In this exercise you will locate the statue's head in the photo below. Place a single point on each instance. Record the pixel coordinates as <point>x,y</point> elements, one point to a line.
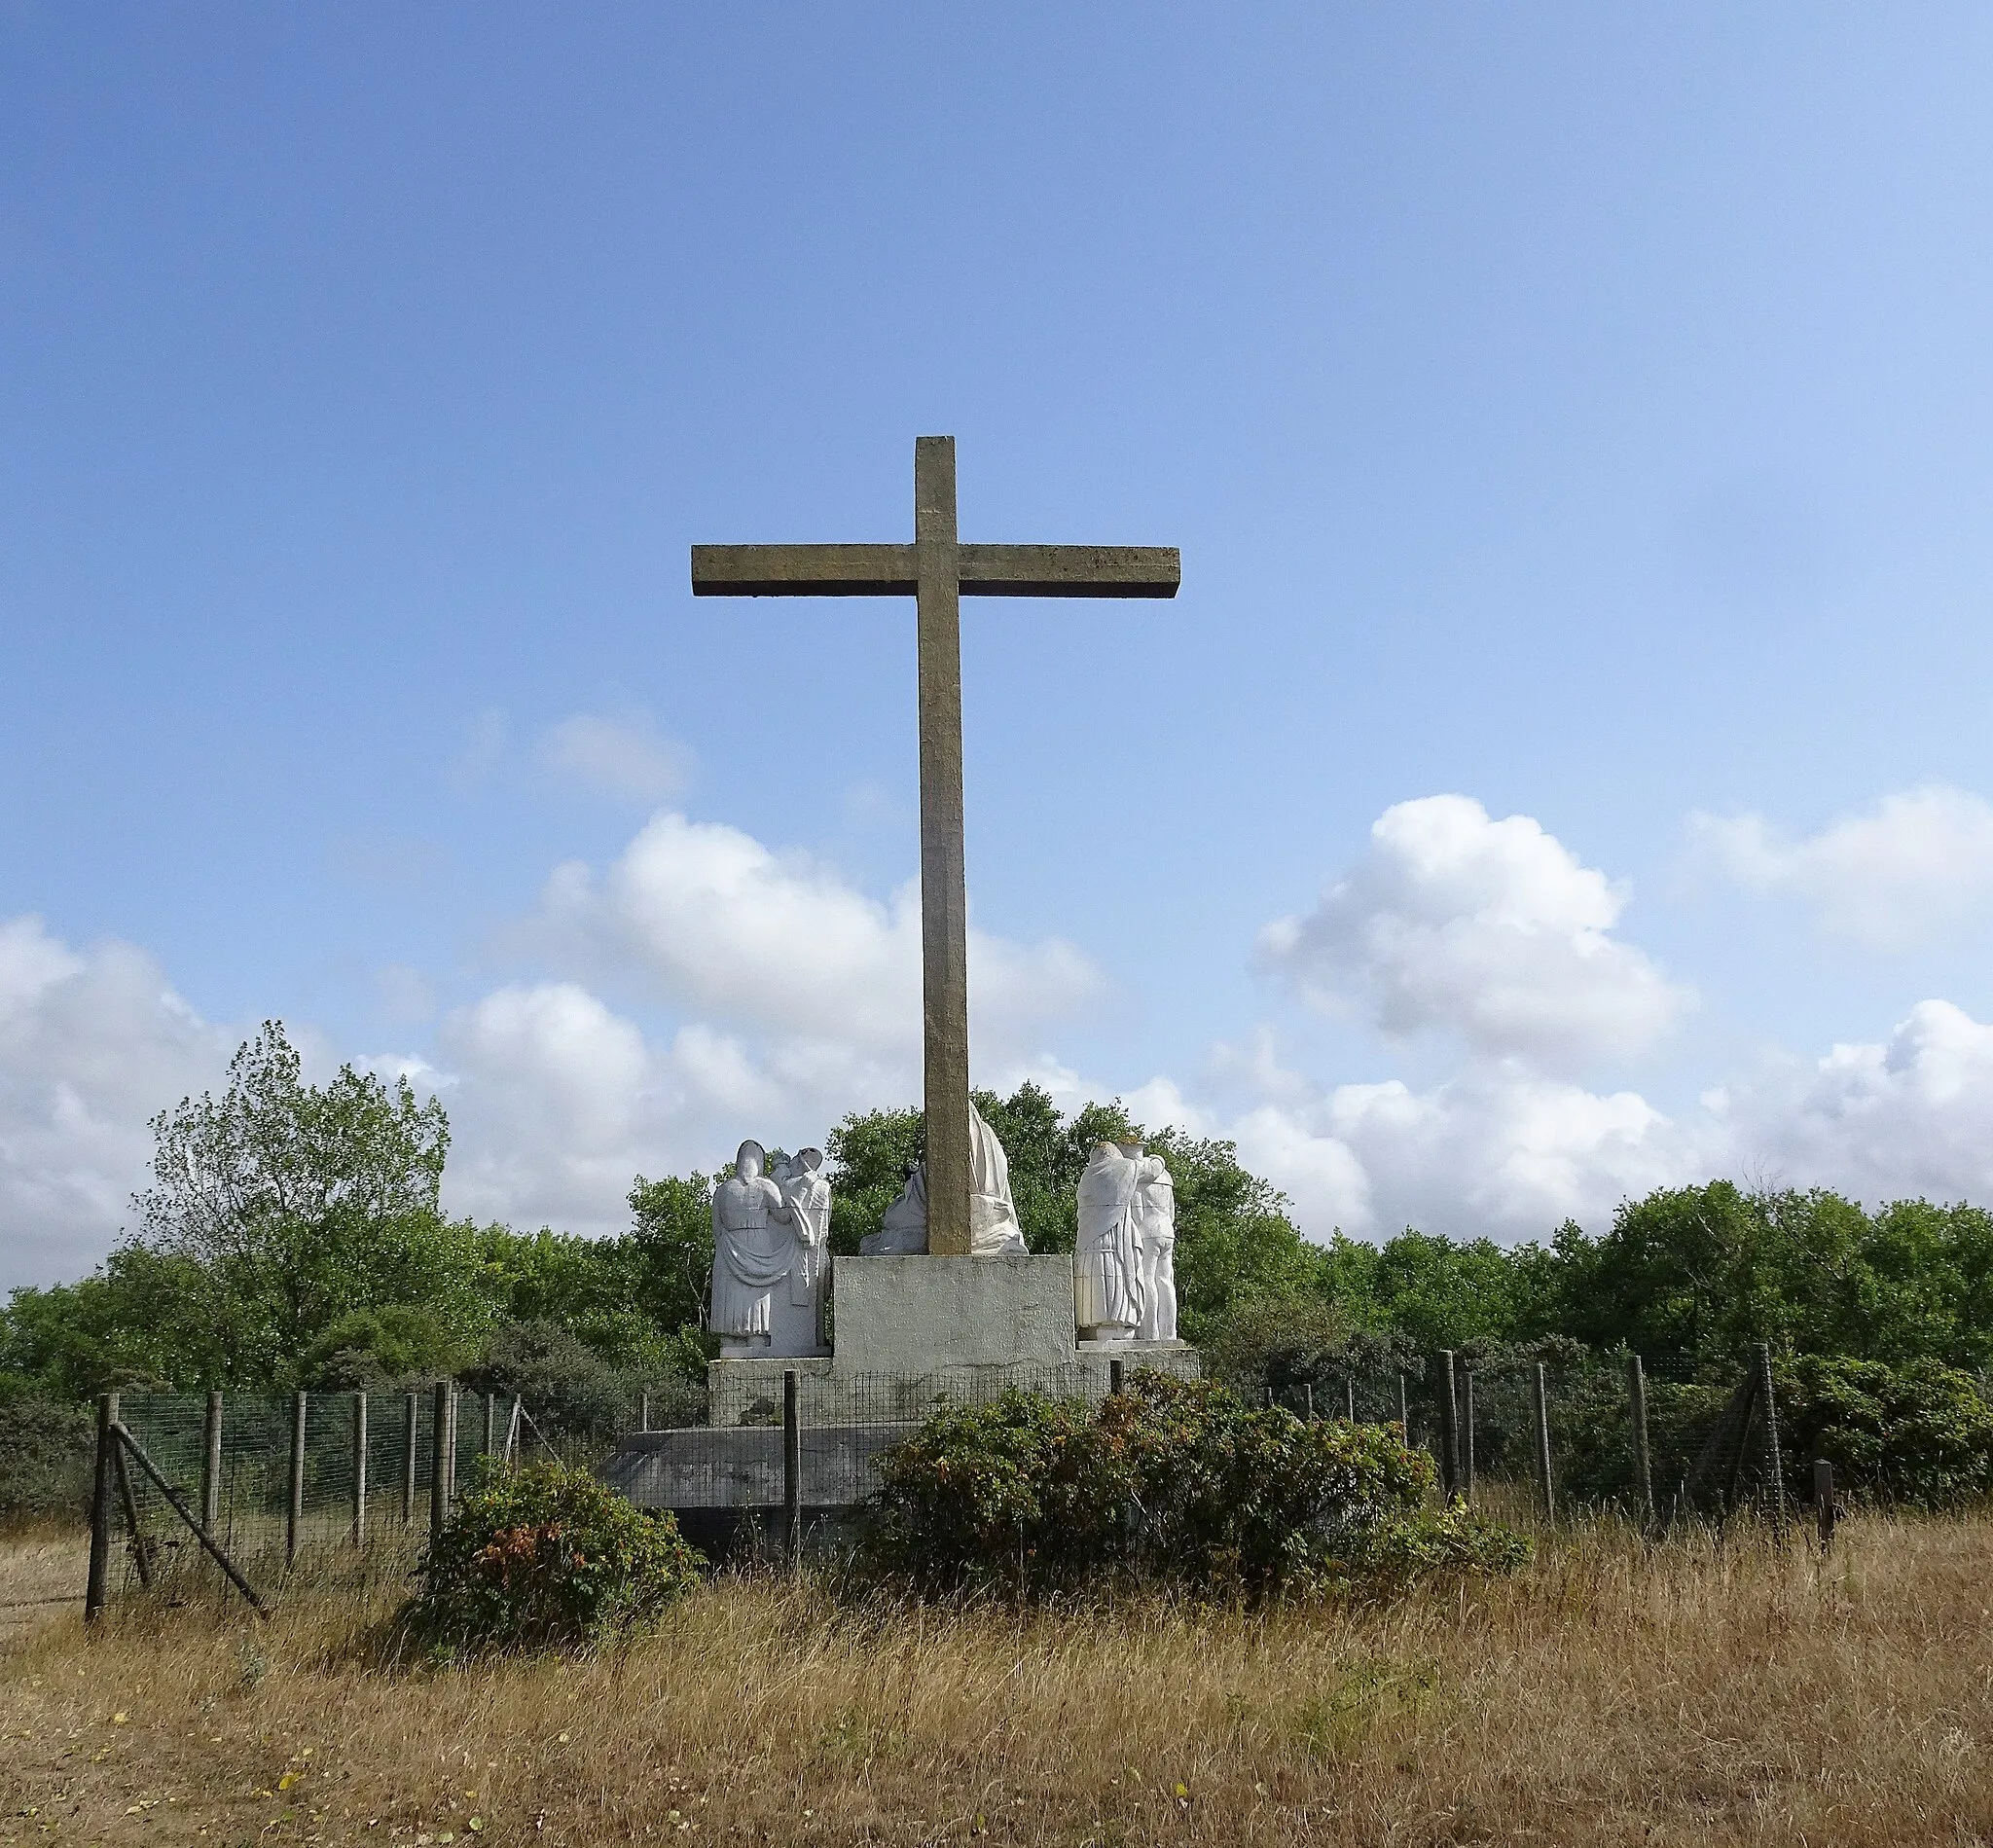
<point>809,1160</point>
<point>751,1160</point>
<point>1130,1146</point>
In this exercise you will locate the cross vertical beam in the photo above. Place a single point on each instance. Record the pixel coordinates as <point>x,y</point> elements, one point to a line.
<point>944,881</point>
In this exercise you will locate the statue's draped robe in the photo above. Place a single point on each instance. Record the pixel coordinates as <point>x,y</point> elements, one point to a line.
<point>753,1250</point>
<point>1155,1226</point>
<point>1108,1272</point>
<point>993,1230</point>
<point>809,1196</point>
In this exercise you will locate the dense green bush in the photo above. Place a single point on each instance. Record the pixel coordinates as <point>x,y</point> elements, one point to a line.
<point>1919,1434</point>
<point>1173,1483</point>
<point>547,1556</point>
<point>46,1452</point>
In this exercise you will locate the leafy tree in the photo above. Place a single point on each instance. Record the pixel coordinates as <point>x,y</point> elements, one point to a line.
<point>292,1205</point>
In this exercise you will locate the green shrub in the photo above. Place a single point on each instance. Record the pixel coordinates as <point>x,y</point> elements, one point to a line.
<point>547,1556</point>
<point>1173,1483</point>
<point>46,1457</point>
<point>1919,1434</point>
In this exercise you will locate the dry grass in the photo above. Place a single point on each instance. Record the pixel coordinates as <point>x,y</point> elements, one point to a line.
<point>1694,1694</point>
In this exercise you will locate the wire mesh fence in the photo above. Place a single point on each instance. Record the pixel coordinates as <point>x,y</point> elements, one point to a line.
<point>276,1482</point>
<point>1536,1438</point>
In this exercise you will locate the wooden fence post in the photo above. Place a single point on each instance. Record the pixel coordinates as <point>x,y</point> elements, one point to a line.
<point>490,1442</point>
<point>438,1465</point>
<point>452,1404</point>
<point>97,1585</point>
<point>643,1411</point>
<point>212,1466</point>
<point>410,1413</point>
<point>1449,1422</point>
<point>1467,1433</point>
<point>359,1469</point>
<point>1642,1461</point>
<point>1543,1443</point>
<point>1772,1438</point>
<point>1404,1409</point>
<point>792,1468</point>
<point>293,1513</point>
<point>1822,1500</point>
<point>1350,1396</point>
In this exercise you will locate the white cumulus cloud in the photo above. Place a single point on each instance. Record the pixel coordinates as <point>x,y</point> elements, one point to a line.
<point>1489,929</point>
<point>94,1044</point>
<point>736,931</point>
<point>1918,862</point>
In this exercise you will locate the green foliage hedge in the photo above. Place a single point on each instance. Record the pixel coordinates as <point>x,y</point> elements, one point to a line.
<point>46,1457</point>
<point>544,1557</point>
<point>1173,1483</point>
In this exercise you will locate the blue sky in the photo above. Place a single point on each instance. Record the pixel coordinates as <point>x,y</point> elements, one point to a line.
<point>1576,414</point>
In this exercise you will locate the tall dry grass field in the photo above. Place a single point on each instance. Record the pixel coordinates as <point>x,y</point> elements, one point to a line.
<point>1695,1693</point>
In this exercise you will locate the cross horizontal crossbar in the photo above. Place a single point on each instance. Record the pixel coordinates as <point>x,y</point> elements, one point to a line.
<point>891,570</point>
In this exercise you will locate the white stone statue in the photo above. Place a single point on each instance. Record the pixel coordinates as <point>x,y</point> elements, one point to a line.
<point>1109,1300</point>
<point>993,1230</point>
<point>766,1291</point>
<point>803,1186</point>
<point>1155,1226</point>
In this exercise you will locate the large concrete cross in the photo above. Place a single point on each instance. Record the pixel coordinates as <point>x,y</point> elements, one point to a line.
<point>938,571</point>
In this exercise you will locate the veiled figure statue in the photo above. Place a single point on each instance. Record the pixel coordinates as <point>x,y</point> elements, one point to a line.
<point>1155,1226</point>
<point>993,1230</point>
<point>1109,1297</point>
<point>765,1294</point>
<point>808,1194</point>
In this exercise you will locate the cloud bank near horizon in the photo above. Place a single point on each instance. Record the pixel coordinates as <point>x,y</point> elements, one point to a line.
<point>791,996</point>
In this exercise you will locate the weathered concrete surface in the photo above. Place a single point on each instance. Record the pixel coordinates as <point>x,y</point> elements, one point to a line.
<point>919,1314</point>
<point>743,1467</point>
<point>751,1392</point>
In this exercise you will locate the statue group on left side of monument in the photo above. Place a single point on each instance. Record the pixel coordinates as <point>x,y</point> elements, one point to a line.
<point>771,1232</point>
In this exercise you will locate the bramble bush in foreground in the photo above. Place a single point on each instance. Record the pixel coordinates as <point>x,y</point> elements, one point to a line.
<point>547,1556</point>
<point>1173,1483</point>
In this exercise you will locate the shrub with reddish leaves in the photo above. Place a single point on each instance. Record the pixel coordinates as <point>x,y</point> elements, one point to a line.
<point>547,1556</point>
<point>1172,1483</point>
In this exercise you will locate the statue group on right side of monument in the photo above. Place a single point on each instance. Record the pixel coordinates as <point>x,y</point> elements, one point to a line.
<point>1125,1264</point>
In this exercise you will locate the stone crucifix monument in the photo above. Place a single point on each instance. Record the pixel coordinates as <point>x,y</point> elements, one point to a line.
<point>959,1290</point>
<point>938,570</point>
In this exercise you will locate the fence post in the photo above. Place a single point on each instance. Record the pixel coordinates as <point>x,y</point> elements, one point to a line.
<point>408,1458</point>
<point>439,1449</point>
<point>792,1468</point>
<point>1404,1409</point>
<point>212,1466</point>
<point>1350,1396</point>
<point>1772,1436</point>
<point>1308,1400</point>
<point>451,1405</point>
<point>1449,1422</point>
<point>643,1411</point>
<point>1466,1432</point>
<point>491,1424</point>
<point>294,1512</point>
<point>1543,1442</point>
<point>1642,1461</point>
<point>1822,1500</point>
<point>512,1431</point>
<point>97,1584</point>
<point>359,1469</point>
